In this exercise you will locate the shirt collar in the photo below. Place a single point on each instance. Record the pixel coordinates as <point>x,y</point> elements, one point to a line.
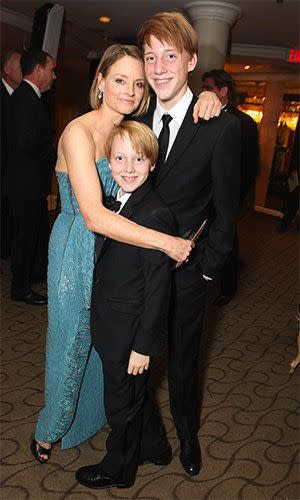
<point>35,88</point>
<point>179,110</point>
<point>123,197</point>
<point>8,87</point>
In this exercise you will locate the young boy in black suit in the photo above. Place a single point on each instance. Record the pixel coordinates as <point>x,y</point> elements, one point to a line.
<point>129,314</point>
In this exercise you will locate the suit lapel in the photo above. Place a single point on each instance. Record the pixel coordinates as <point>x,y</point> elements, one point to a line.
<point>127,211</point>
<point>185,135</point>
<point>135,198</point>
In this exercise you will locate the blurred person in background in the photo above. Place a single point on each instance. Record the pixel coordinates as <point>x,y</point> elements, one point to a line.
<point>11,77</point>
<point>220,82</point>
<point>290,205</point>
<point>31,159</point>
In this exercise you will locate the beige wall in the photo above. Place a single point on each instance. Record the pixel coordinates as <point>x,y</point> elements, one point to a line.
<point>71,93</point>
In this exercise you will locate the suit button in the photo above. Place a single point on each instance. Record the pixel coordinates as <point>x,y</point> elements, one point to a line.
<point>97,280</point>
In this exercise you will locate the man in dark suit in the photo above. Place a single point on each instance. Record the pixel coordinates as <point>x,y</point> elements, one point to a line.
<point>11,78</point>
<point>129,314</point>
<point>220,82</point>
<point>31,159</point>
<point>197,174</point>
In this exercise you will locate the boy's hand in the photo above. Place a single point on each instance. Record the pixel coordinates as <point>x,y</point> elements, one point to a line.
<point>207,106</point>
<point>137,363</point>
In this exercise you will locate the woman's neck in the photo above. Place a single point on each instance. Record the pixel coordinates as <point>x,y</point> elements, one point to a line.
<point>106,119</point>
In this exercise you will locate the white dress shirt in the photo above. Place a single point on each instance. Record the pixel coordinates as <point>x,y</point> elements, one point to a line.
<point>122,197</point>
<point>8,87</point>
<point>178,113</point>
<point>35,88</point>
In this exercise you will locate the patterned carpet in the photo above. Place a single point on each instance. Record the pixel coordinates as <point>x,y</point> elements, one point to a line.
<point>250,413</point>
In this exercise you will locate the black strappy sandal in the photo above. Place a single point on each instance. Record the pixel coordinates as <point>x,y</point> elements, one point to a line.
<point>37,450</point>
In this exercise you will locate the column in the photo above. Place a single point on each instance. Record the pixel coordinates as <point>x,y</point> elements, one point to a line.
<point>212,21</point>
<point>267,138</point>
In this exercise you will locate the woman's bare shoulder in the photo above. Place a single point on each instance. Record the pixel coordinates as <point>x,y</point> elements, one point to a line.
<point>79,129</point>
<point>80,123</point>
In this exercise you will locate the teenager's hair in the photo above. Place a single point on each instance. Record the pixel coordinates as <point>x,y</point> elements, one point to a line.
<point>221,79</point>
<point>31,58</point>
<point>142,139</point>
<point>170,27</point>
<point>113,54</point>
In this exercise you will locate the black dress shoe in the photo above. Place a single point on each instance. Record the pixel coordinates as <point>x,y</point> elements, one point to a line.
<point>222,300</point>
<point>190,456</point>
<point>163,459</point>
<point>93,476</point>
<point>32,298</point>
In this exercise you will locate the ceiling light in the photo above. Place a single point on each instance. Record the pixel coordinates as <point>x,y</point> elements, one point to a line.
<point>247,67</point>
<point>104,19</point>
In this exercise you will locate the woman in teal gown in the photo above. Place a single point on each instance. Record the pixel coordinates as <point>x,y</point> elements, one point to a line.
<point>73,389</point>
<point>74,408</point>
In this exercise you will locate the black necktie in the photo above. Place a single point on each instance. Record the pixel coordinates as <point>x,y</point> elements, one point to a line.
<point>163,141</point>
<point>112,204</point>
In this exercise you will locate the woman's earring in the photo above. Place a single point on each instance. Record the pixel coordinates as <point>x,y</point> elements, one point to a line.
<point>100,94</point>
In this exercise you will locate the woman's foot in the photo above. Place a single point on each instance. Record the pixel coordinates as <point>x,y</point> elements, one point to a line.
<point>41,451</point>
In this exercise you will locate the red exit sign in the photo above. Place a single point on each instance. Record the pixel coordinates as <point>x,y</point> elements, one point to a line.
<point>294,55</point>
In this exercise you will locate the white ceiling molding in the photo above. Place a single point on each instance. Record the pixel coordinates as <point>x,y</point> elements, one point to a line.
<point>15,19</point>
<point>269,52</point>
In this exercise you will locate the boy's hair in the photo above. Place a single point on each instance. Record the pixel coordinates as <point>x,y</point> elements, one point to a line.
<point>170,27</point>
<point>142,139</point>
<point>113,54</point>
<point>221,79</point>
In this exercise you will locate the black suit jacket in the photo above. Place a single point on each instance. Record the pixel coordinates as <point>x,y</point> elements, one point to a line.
<point>200,179</point>
<point>132,285</point>
<point>249,149</point>
<point>5,114</point>
<point>31,155</point>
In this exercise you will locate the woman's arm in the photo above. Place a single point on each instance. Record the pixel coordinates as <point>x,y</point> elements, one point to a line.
<point>78,149</point>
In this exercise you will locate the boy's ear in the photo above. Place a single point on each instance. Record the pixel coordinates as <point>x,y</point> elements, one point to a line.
<point>152,167</point>
<point>224,91</point>
<point>192,62</point>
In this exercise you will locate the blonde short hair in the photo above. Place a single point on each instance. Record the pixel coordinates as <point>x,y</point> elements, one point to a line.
<point>142,139</point>
<point>113,54</point>
<point>170,27</point>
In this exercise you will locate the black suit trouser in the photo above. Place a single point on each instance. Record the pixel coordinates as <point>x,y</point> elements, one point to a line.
<point>136,428</point>
<point>186,318</point>
<point>6,228</point>
<point>26,215</point>
<point>229,272</point>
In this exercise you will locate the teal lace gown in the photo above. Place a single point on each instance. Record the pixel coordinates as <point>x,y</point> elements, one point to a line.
<point>74,408</point>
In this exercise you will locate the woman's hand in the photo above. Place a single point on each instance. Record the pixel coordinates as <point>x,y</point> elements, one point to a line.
<point>137,363</point>
<point>179,249</point>
<point>207,106</point>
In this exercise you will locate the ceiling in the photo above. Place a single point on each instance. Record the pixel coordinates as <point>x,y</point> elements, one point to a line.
<point>262,22</point>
